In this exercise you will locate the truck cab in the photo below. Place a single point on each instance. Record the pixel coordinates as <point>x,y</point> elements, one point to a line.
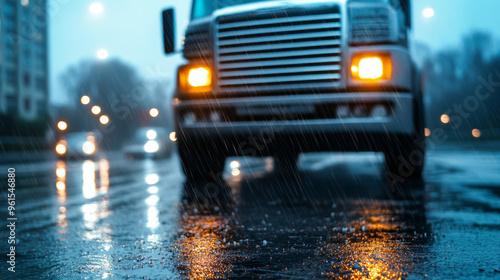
<point>280,78</point>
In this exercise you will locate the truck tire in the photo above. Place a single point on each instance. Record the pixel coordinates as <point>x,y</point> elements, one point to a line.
<point>201,161</point>
<point>406,157</point>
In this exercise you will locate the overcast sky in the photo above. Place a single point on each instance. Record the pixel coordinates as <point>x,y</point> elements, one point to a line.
<point>130,30</point>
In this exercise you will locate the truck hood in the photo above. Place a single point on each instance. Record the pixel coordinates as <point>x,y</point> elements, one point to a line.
<point>267,6</point>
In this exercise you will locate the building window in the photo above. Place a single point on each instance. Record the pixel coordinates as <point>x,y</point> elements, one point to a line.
<point>40,63</point>
<point>11,76</point>
<point>11,102</point>
<point>27,104</point>
<point>27,79</point>
<point>41,83</point>
<point>8,53</point>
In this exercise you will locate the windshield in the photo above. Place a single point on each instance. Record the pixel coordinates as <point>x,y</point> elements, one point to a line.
<point>203,8</point>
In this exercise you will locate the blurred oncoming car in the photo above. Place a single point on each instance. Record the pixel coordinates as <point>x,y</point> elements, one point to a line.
<point>149,142</point>
<point>77,145</point>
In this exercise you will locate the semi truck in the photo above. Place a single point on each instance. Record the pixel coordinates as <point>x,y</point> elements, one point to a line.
<point>280,78</point>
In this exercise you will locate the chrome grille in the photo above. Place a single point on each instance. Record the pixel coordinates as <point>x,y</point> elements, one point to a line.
<point>287,51</point>
<point>370,25</point>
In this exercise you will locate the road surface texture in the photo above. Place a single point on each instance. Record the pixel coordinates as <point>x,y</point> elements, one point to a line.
<point>335,217</point>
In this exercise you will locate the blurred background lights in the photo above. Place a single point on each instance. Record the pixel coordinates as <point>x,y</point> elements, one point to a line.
<point>62,125</point>
<point>154,112</point>
<point>427,132</point>
<point>445,118</point>
<point>476,133</point>
<point>96,8</point>
<point>104,119</point>
<point>96,110</point>
<point>428,12</point>
<point>152,179</point>
<point>102,54</point>
<point>85,100</point>
<point>172,136</point>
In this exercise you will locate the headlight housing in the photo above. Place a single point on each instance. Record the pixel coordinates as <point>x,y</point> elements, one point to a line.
<point>195,78</point>
<point>371,67</point>
<point>372,23</point>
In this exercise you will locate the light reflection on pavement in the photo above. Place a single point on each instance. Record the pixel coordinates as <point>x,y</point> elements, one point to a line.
<point>336,218</point>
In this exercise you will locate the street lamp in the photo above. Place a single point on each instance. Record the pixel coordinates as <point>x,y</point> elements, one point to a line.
<point>96,8</point>
<point>476,133</point>
<point>85,100</point>
<point>154,112</point>
<point>102,54</point>
<point>104,119</point>
<point>96,110</point>
<point>445,118</point>
<point>62,125</point>
<point>428,12</point>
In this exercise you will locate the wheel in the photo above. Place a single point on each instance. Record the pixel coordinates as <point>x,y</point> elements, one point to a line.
<point>201,161</point>
<point>406,157</point>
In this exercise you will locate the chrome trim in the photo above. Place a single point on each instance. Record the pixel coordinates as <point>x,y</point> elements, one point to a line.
<point>399,122</point>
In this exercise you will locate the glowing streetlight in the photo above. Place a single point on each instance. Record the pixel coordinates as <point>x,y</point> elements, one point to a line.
<point>476,133</point>
<point>428,12</point>
<point>102,54</point>
<point>154,112</point>
<point>96,110</point>
<point>62,125</point>
<point>445,118</point>
<point>85,100</point>
<point>104,119</point>
<point>172,136</point>
<point>427,132</point>
<point>96,8</point>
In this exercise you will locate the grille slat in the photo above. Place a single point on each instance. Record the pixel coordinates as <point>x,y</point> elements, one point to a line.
<point>261,32</point>
<point>274,80</point>
<point>280,63</point>
<point>272,52</point>
<point>277,21</point>
<point>281,46</point>
<point>264,72</point>
<point>304,36</point>
<point>255,56</point>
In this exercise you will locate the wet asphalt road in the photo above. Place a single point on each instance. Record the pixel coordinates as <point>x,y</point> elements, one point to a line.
<point>336,217</point>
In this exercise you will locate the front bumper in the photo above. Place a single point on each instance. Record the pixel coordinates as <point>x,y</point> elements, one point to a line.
<point>237,115</point>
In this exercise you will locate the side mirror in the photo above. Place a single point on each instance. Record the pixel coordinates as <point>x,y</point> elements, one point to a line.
<point>168,22</point>
<point>406,6</point>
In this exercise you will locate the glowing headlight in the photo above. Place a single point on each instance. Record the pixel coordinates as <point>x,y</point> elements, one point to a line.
<point>371,67</point>
<point>195,78</point>
<point>151,134</point>
<point>88,148</point>
<point>151,147</point>
<point>61,148</point>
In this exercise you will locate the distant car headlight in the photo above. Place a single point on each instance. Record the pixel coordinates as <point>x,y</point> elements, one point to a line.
<point>61,148</point>
<point>372,23</point>
<point>88,148</point>
<point>371,67</point>
<point>151,147</point>
<point>195,78</point>
<point>151,134</point>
